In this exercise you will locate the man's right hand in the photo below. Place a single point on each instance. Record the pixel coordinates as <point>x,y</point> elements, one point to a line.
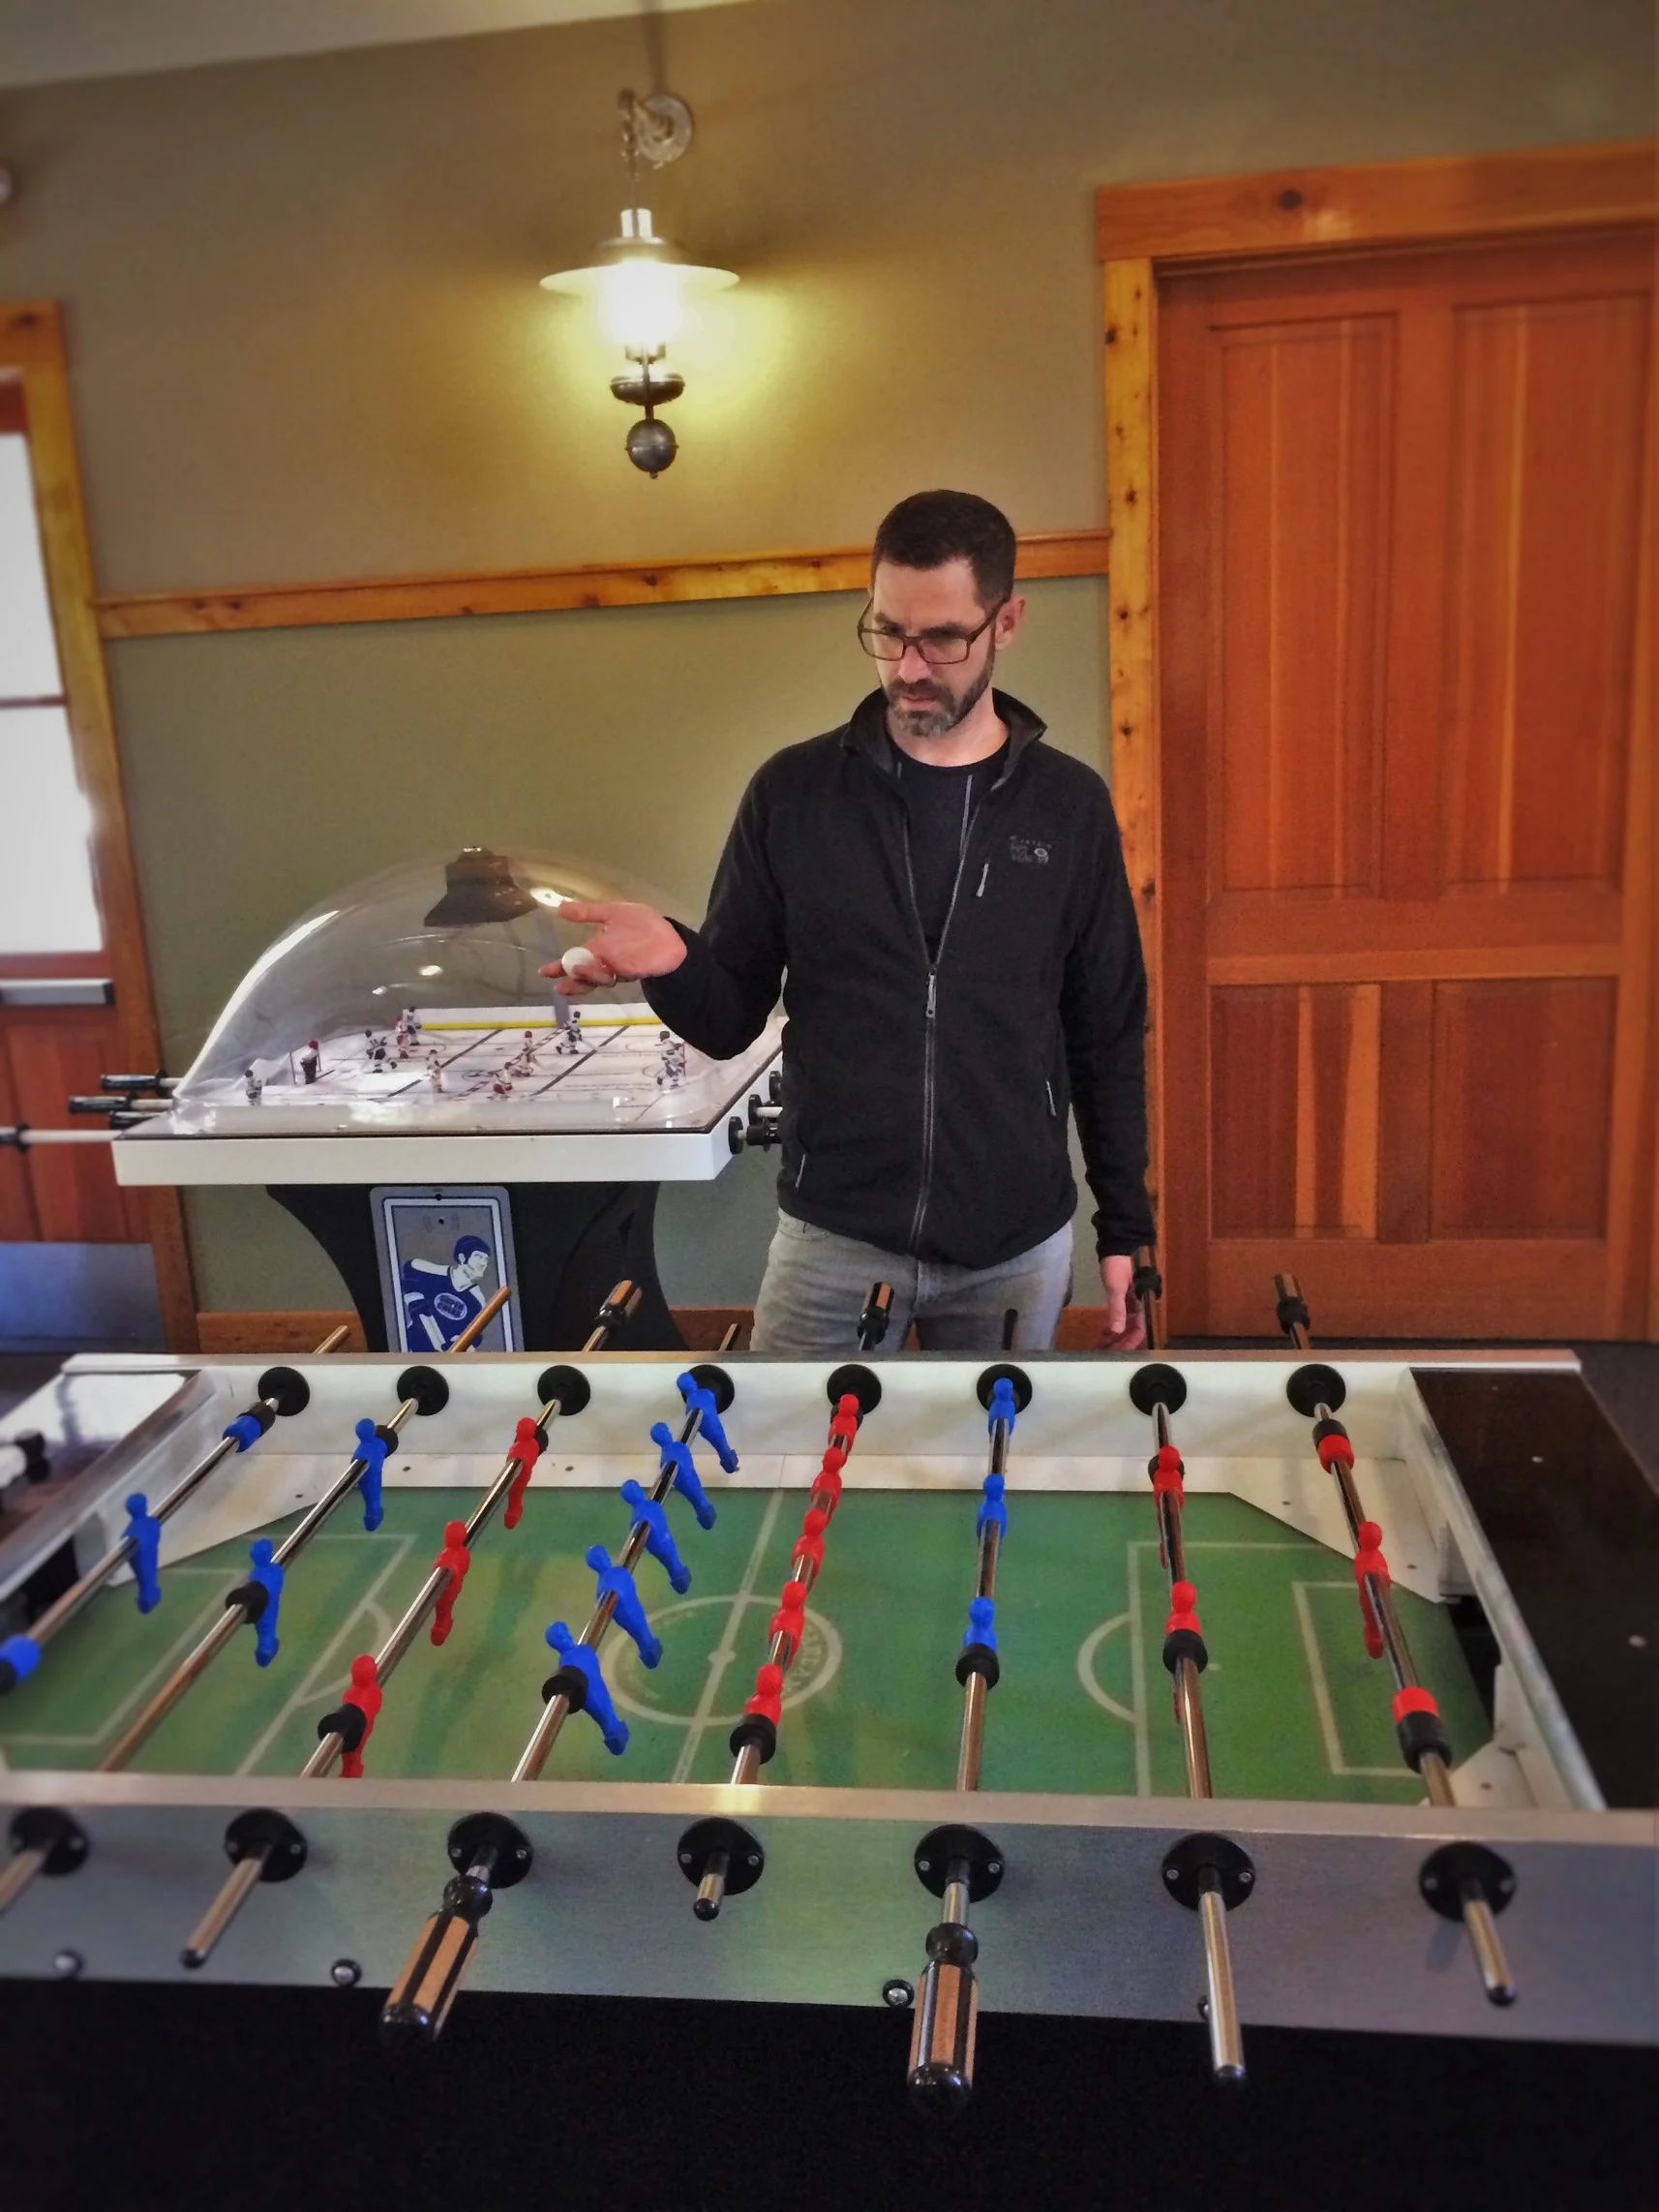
<point>628,941</point>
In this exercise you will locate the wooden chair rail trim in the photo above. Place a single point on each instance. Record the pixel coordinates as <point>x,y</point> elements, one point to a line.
<point>1189,218</point>
<point>1462,963</point>
<point>546,590</point>
<point>702,1326</point>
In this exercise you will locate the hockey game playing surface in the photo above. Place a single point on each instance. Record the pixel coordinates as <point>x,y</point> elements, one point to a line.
<point>1293,1706</point>
<point>614,1066</point>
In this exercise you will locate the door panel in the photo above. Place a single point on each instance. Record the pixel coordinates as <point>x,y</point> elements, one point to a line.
<point>1523,1073</point>
<point>1407,1016</point>
<point>1302,422</point>
<point>1547,406</point>
<point>54,1054</point>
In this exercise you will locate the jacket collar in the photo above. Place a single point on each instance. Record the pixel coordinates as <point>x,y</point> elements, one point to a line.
<point>866,732</point>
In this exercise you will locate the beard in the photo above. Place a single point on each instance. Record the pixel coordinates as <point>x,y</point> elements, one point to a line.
<point>932,710</point>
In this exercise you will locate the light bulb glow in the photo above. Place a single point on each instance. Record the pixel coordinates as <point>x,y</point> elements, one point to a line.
<point>639,305</point>
<point>639,288</point>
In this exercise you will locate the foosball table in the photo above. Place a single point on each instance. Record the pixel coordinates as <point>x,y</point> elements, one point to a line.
<point>1250,1687</point>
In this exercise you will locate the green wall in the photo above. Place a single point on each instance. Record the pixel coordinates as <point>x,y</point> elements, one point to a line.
<point>307,342</point>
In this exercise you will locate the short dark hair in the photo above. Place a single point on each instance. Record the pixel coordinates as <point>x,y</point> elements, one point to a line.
<point>931,528</point>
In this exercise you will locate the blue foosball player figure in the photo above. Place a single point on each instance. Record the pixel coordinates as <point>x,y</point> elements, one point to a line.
<point>260,1598</point>
<point>580,1681</point>
<point>618,1584</point>
<point>676,1455</point>
<point>144,1534</point>
<point>660,1536</point>
<point>372,1450</point>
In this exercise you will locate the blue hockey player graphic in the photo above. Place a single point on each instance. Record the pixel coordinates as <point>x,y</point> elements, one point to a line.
<point>439,1300</point>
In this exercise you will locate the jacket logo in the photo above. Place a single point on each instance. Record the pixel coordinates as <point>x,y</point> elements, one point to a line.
<point>1031,850</point>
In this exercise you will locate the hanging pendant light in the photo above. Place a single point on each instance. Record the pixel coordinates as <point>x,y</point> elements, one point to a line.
<point>639,283</point>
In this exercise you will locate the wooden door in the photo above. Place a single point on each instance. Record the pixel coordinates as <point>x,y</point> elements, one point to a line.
<point>1405,581</point>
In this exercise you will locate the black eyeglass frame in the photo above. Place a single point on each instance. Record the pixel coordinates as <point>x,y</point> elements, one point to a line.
<point>905,639</point>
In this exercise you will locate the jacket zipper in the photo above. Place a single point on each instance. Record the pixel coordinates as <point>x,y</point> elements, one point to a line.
<point>1053,1110</point>
<point>931,1026</point>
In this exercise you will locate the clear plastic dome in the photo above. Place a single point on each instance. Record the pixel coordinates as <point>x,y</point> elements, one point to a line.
<point>372,994</point>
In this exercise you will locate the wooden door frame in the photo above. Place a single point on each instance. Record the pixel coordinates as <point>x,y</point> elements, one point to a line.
<point>1145,232</point>
<point>32,353</point>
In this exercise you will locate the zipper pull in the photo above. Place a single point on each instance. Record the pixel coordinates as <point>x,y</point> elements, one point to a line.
<point>932,993</point>
<point>983,872</point>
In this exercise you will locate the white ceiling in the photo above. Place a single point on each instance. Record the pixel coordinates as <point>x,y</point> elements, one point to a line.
<point>43,41</point>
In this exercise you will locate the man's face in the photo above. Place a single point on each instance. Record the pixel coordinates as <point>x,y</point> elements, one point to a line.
<point>471,1267</point>
<point>923,700</point>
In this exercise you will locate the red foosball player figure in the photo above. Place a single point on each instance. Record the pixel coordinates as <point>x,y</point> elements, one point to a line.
<point>354,1720</point>
<point>457,1559</point>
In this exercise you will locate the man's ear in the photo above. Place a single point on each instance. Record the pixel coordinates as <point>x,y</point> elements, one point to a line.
<point>1010,620</point>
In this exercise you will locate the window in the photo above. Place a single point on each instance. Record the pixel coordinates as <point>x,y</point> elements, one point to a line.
<point>47,898</point>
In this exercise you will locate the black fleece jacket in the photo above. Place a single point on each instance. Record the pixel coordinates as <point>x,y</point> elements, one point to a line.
<point>925,1103</point>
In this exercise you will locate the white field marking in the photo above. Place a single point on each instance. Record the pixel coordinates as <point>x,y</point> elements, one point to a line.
<point>309,1688</point>
<point>801,1686</point>
<point>164,1665</point>
<point>726,1650</point>
<point>1137,1679</point>
<point>1322,1689</point>
<point>1137,1663</point>
<point>1086,1651</point>
<point>174,1651</point>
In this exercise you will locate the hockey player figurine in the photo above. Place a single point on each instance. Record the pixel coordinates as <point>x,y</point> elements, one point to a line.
<point>672,1073</point>
<point>501,1088</point>
<point>252,1085</point>
<point>310,1062</point>
<point>434,1068</point>
<point>378,1054</point>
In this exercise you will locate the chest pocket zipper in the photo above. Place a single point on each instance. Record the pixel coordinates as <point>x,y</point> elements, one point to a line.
<point>1053,1110</point>
<point>983,872</point>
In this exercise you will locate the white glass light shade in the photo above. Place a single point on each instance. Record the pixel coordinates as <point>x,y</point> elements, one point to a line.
<point>640,285</point>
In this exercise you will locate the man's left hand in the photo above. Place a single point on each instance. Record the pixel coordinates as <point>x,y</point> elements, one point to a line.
<point>1123,1325</point>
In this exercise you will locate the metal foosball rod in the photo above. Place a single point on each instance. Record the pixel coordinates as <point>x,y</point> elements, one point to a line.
<point>957,1864</point>
<point>1463,1882</point>
<point>281,1391</point>
<point>1209,1875</point>
<point>719,1855</point>
<point>489,1853</point>
<point>272,1848</point>
<point>559,1706</point>
<point>1147,1287</point>
<point>246,1604</point>
<point>63,1845</point>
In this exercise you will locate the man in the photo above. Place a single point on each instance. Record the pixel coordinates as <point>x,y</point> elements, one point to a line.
<point>943,900</point>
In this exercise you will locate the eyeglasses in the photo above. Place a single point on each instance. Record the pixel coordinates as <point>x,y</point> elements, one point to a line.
<point>940,649</point>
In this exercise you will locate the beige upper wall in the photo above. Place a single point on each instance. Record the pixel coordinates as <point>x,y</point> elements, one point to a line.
<point>302,301</point>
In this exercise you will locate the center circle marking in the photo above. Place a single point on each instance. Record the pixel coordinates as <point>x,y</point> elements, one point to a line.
<point>816,1664</point>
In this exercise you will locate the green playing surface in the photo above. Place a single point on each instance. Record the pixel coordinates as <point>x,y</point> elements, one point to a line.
<point>1293,1706</point>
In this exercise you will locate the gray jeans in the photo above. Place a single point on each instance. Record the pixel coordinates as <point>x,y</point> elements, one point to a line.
<point>816,1284</point>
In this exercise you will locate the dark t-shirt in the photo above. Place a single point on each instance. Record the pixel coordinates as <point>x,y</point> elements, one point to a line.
<point>941,803</point>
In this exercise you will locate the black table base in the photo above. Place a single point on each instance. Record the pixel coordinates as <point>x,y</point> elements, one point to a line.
<point>572,1242</point>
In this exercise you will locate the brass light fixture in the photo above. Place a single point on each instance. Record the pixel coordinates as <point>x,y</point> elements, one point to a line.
<point>640,281</point>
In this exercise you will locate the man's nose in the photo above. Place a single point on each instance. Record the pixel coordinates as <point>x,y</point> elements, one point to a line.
<point>913,662</point>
